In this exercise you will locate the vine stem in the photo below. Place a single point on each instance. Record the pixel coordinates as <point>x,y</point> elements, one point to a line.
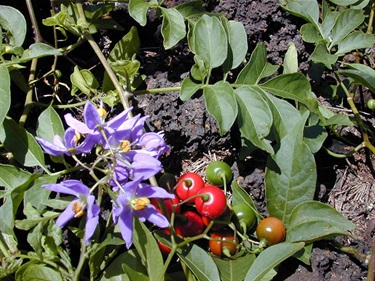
<point>371,18</point>
<point>124,95</point>
<point>34,62</point>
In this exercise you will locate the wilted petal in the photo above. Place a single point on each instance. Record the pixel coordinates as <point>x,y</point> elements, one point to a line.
<point>154,143</point>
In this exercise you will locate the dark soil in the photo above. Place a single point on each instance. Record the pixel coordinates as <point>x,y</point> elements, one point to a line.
<point>195,140</point>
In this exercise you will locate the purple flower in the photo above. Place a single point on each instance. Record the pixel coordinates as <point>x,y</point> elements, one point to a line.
<point>76,208</point>
<point>66,146</point>
<point>135,202</point>
<point>94,125</point>
<point>154,144</point>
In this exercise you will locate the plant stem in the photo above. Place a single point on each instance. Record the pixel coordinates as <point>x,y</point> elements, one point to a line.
<point>29,95</point>
<point>81,261</point>
<point>157,91</point>
<point>124,95</point>
<point>371,18</point>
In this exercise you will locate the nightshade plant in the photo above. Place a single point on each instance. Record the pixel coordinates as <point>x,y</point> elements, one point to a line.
<point>100,173</point>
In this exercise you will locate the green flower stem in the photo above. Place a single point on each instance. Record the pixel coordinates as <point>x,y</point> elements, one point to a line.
<point>349,97</point>
<point>371,18</point>
<point>346,155</point>
<point>156,91</point>
<point>29,95</point>
<point>124,95</point>
<point>81,262</point>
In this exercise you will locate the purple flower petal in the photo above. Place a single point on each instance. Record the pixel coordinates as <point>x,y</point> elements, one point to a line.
<point>92,118</point>
<point>75,124</point>
<point>72,187</point>
<point>151,191</point>
<point>51,148</point>
<point>126,226</point>
<point>92,218</point>
<point>67,215</point>
<point>153,216</point>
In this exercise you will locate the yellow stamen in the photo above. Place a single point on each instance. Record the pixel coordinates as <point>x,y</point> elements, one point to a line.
<point>125,145</point>
<point>77,137</point>
<point>77,209</point>
<point>141,203</point>
<point>102,112</point>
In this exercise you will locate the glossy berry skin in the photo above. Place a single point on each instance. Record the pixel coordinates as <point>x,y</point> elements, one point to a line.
<point>244,217</point>
<point>217,246</point>
<point>168,205</point>
<point>165,250</point>
<point>213,203</point>
<point>189,185</point>
<point>217,171</point>
<point>371,104</point>
<point>189,224</point>
<point>272,230</point>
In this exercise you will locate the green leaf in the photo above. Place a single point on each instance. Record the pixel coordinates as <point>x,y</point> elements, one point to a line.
<point>294,86</point>
<point>84,81</point>
<point>127,47</point>
<point>312,220</point>
<point>192,8</point>
<point>306,9</point>
<point>346,22</point>
<point>360,73</point>
<point>210,41</point>
<point>237,40</point>
<point>36,195</point>
<point>322,55</point>
<point>38,50</point>
<point>221,104</point>
<point>138,10</point>
<point>290,175</point>
<point>234,269</point>
<point>240,196</point>
<point>285,116</point>
<point>148,250</point>
<point>270,258</point>
<point>12,20</point>
<point>254,69</point>
<point>22,144</point>
<point>199,262</point>
<point>40,272</point>
<point>310,33</point>
<point>343,2</point>
<point>34,237</point>
<point>291,59</point>
<point>189,88</point>
<point>126,267</point>
<point>355,40</point>
<point>254,117</point>
<point>173,27</point>
<point>314,137</point>
<point>5,94</point>
<point>49,125</point>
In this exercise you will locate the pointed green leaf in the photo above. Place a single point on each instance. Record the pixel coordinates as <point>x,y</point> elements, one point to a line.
<point>38,50</point>
<point>12,20</point>
<point>290,175</point>
<point>291,59</point>
<point>294,86</point>
<point>84,81</point>
<point>173,27</point>
<point>22,144</point>
<point>355,40</point>
<point>270,258</point>
<point>5,98</point>
<point>237,48</point>
<point>49,124</point>
<point>360,73</point>
<point>191,9</point>
<point>40,273</point>
<point>254,117</point>
<point>189,88</point>
<point>210,41</point>
<point>254,69</point>
<point>148,250</point>
<point>329,19</point>
<point>322,55</point>
<point>343,2</point>
<point>199,262</point>
<point>310,33</point>
<point>306,9</point>
<point>221,104</point>
<point>127,47</point>
<point>126,267</point>
<point>234,269</point>
<point>346,22</point>
<point>312,220</point>
<point>138,10</point>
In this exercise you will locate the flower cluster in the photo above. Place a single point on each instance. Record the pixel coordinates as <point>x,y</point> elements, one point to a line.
<point>129,157</point>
